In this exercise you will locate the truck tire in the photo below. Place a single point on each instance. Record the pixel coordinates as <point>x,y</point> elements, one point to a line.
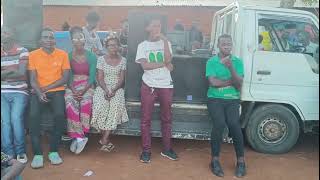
<point>272,129</point>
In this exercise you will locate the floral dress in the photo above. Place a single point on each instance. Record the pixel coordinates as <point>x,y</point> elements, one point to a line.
<point>106,115</point>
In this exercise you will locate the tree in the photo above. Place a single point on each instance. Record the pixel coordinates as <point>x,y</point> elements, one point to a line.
<point>290,3</point>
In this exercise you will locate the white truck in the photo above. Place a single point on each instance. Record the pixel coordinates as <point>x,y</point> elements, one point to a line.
<point>280,93</point>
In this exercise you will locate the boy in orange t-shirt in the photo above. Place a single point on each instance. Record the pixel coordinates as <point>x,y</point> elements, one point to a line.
<point>49,72</point>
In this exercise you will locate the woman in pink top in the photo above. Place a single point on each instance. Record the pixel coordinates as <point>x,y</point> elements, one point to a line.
<point>80,91</point>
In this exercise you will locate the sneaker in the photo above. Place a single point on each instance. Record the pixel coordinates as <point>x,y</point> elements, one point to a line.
<point>240,169</point>
<point>145,157</point>
<point>170,154</point>
<point>22,158</point>
<point>216,168</point>
<point>65,138</point>
<point>81,145</point>
<point>54,158</point>
<point>73,146</point>
<point>37,161</point>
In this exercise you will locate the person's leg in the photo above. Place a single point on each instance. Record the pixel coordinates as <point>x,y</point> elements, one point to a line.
<point>74,127</point>
<point>6,129</point>
<point>34,123</point>
<point>86,110</point>
<point>57,104</point>
<point>216,113</point>
<point>147,106</point>
<point>13,171</point>
<point>165,99</point>
<point>233,122</point>
<point>17,119</point>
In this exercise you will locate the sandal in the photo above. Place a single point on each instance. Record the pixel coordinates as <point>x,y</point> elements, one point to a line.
<point>107,147</point>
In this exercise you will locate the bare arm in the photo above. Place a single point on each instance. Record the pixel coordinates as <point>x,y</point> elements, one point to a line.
<point>15,170</point>
<point>34,82</point>
<point>167,53</point>
<point>149,66</point>
<point>62,81</point>
<point>236,79</point>
<point>120,82</point>
<point>217,83</point>
<point>100,80</point>
<point>15,73</point>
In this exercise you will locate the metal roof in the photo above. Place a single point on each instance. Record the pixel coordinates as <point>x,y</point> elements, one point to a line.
<point>271,3</point>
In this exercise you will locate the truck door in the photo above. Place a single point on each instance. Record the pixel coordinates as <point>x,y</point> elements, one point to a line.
<point>286,61</point>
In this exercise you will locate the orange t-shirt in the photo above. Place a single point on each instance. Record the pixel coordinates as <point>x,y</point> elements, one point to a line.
<point>49,67</point>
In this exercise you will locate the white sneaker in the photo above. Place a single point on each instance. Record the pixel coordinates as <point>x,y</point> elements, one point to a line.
<point>73,146</point>
<point>22,158</point>
<point>81,145</point>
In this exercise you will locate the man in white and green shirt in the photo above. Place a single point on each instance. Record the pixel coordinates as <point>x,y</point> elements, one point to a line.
<point>154,55</point>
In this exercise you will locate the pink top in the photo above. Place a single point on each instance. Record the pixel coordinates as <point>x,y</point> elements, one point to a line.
<point>80,68</point>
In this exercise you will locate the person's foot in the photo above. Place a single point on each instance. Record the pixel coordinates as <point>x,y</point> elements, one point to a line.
<point>22,158</point>
<point>37,161</point>
<point>54,158</point>
<point>240,169</point>
<point>170,154</point>
<point>73,146</point>
<point>80,145</point>
<point>216,168</point>
<point>145,157</point>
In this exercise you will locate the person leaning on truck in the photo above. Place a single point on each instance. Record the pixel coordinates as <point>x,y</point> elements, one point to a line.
<point>49,70</point>
<point>154,55</point>
<point>225,74</point>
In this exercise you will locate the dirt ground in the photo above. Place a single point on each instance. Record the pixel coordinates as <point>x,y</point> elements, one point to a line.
<point>302,163</point>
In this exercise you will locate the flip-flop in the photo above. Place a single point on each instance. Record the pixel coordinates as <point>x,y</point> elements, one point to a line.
<point>107,147</point>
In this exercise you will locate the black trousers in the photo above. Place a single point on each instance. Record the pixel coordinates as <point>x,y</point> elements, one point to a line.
<point>57,110</point>
<point>225,112</point>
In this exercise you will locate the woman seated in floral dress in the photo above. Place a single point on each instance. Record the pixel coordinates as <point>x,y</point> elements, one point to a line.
<point>108,101</point>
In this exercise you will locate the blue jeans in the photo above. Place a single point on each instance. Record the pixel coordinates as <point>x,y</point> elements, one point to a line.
<point>13,106</point>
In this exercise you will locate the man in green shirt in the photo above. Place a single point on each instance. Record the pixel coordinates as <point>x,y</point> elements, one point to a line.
<point>225,76</point>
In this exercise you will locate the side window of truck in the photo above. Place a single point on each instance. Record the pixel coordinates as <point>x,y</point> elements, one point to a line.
<point>288,36</point>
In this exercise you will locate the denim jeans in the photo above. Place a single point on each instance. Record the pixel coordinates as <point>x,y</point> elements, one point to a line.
<point>13,105</point>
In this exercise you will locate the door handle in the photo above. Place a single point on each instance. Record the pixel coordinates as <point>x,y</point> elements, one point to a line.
<point>264,72</point>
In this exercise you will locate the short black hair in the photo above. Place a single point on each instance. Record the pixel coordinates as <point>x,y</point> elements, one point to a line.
<point>226,36</point>
<point>75,29</point>
<point>93,17</point>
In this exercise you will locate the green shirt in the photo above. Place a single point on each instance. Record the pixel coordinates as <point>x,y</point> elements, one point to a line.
<point>216,69</point>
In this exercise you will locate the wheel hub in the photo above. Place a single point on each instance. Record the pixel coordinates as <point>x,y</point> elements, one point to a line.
<point>272,130</point>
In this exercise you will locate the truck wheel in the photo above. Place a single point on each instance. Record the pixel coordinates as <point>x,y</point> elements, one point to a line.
<point>272,129</point>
